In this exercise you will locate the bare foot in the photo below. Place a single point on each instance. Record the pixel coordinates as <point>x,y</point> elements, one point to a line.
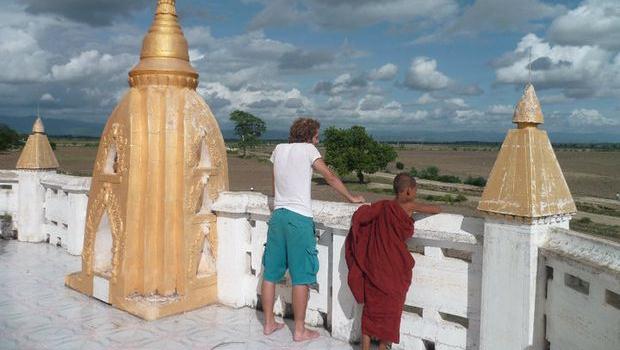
<point>305,335</point>
<point>270,328</point>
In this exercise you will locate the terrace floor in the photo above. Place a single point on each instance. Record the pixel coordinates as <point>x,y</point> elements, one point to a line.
<point>38,312</point>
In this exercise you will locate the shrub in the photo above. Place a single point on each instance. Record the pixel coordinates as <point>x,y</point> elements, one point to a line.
<point>476,181</point>
<point>9,138</point>
<point>449,179</point>
<point>430,173</point>
<point>400,166</point>
<point>413,172</point>
<point>461,198</point>
<point>447,198</point>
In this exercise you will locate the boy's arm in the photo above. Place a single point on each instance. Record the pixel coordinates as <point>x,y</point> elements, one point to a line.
<point>426,208</point>
<point>335,182</point>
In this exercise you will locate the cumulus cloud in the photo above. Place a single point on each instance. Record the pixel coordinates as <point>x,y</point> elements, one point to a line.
<point>426,98</point>
<point>343,84</point>
<point>371,103</point>
<point>593,22</point>
<point>84,75</point>
<point>554,99</point>
<point>423,75</point>
<point>269,103</point>
<point>276,13</point>
<point>21,58</point>
<point>578,71</point>
<point>469,116</point>
<point>469,90</point>
<point>503,15</point>
<point>457,102</point>
<point>92,12</point>
<point>347,14</point>
<point>47,97</point>
<point>381,114</point>
<point>385,72</point>
<point>93,62</point>
<point>500,109</point>
<point>493,16</point>
<point>590,117</point>
<point>302,59</point>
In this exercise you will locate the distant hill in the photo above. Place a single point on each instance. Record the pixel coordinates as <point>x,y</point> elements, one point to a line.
<point>55,127</point>
<point>65,127</point>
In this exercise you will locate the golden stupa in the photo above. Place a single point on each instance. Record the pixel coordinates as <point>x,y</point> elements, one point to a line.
<point>526,180</point>
<point>37,153</point>
<point>150,240</point>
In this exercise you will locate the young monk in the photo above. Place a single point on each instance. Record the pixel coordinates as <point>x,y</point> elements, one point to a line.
<point>291,241</point>
<point>380,264</point>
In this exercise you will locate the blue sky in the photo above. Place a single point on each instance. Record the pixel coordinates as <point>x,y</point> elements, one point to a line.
<point>393,66</point>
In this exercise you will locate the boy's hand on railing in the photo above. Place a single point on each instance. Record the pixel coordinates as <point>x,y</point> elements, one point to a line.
<point>357,199</point>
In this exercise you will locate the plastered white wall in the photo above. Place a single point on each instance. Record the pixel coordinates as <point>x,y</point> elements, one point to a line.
<point>46,206</point>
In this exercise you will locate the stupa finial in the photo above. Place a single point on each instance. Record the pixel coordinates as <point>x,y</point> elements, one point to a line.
<point>37,127</point>
<point>526,181</point>
<point>528,109</point>
<point>37,154</point>
<point>165,52</point>
<point>166,7</point>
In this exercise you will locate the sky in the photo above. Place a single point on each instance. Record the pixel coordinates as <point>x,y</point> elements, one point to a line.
<point>396,67</point>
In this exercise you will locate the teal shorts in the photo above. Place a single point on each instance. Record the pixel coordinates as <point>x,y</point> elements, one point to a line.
<point>291,244</point>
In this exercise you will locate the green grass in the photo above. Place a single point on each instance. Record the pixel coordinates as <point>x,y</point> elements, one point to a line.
<point>586,225</point>
<point>598,209</point>
<point>447,198</point>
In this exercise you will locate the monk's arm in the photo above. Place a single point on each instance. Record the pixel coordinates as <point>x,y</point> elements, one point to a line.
<point>335,182</point>
<point>426,208</point>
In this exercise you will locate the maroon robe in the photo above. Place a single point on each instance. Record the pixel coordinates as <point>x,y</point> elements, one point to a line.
<point>380,266</point>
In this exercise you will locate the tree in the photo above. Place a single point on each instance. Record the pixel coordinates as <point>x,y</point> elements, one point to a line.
<point>248,127</point>
<point>353,150</point>
<point>9,138</point>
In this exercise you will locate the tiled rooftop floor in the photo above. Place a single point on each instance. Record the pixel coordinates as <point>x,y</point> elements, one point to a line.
<point>38,312</point>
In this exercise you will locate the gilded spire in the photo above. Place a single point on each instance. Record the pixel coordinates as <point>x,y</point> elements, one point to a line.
<point>166,7</point>
<point>528,109</point>
<point>37,153</point>
<point>526,180</point>
<point>37,127</point>
<point>164,59</point>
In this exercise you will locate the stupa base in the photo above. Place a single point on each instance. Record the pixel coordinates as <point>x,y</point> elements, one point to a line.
<point>148,307</point>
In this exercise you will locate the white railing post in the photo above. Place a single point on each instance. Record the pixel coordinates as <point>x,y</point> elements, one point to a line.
<point>31,203</point>
<point>345,312</point>
<point>76,221</point>
<point>511,315</point>
<point>234,245</point>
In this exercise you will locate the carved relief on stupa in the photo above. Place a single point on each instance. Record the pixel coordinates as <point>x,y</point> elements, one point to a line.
<point>151,240</point>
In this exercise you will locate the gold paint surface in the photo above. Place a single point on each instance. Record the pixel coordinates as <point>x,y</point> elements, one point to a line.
<point>150,178</point>
<point>526,180</point>
<point>165,52</point>
<point>528,109</point>
<point>37,153</point>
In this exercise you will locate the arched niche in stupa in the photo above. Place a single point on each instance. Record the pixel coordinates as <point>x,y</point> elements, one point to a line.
<point>205,156</point>
<point>206,265</point>
<point>110,166</point>
<point>102,257</point>
<point>205,202</point>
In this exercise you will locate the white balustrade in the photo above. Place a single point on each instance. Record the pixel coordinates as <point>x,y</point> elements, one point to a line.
<point>576,306</point>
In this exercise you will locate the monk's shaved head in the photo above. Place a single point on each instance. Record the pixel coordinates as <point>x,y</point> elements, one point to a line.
<point>402,182</point>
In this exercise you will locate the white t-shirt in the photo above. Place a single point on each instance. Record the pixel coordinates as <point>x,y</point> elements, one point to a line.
<point>292,168</point>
